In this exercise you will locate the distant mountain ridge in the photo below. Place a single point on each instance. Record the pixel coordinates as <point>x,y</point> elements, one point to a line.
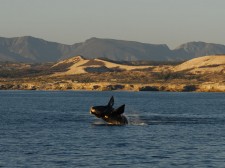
<point>120,50</point>
<point>195,49</point>
<point>31,49</point>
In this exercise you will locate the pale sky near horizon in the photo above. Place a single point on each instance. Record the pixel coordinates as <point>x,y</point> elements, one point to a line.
<point>171,22</point>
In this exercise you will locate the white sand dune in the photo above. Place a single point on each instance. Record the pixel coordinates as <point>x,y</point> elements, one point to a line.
<point>79,65</point>
<point>70,60</point>
<point>205,64</point>
<point>125,67</point>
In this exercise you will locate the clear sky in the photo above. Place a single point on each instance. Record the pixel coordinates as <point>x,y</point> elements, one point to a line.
<point>170,22</point>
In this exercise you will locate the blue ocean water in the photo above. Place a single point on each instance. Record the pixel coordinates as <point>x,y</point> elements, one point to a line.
<point>55,129</point>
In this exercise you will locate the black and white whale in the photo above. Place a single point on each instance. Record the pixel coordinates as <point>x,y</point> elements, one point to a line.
<point>109,114</point>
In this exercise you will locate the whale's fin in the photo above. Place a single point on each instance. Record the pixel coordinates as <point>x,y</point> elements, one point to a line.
<point>111,102</point>
<point>119,110</point>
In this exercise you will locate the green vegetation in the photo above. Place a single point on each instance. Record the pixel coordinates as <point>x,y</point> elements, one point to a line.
<point>21,70</point>
<point>169,75</point>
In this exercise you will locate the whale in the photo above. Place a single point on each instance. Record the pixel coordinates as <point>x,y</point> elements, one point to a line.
<point>109,114</point>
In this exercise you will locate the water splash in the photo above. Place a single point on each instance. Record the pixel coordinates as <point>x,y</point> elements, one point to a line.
<point>135,119</point>
<point>140,120</point>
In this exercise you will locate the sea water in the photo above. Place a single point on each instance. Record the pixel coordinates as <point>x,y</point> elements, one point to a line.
<point>55,129</point>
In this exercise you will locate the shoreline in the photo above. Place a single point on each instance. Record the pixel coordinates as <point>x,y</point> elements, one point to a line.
<point>107,86</point>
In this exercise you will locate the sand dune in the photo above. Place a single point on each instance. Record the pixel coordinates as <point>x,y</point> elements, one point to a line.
<point>206,64</point>
<point>80,65</point>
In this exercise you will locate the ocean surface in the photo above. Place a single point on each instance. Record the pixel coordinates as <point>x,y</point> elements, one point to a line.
<point>55,129</point>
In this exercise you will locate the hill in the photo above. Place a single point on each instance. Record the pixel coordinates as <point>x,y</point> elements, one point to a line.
<point>203,65</point>
<point>79,65</point>
<point>200,74</point>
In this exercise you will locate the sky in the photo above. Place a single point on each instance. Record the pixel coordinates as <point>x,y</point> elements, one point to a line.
<point>171,22</point>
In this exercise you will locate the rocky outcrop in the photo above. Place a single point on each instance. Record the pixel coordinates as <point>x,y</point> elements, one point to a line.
<point>149,88</point>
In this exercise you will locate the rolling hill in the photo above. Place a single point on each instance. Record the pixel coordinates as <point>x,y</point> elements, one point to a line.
<point>203,65</point>
<point>79,65</point>
<point>205,73</point>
